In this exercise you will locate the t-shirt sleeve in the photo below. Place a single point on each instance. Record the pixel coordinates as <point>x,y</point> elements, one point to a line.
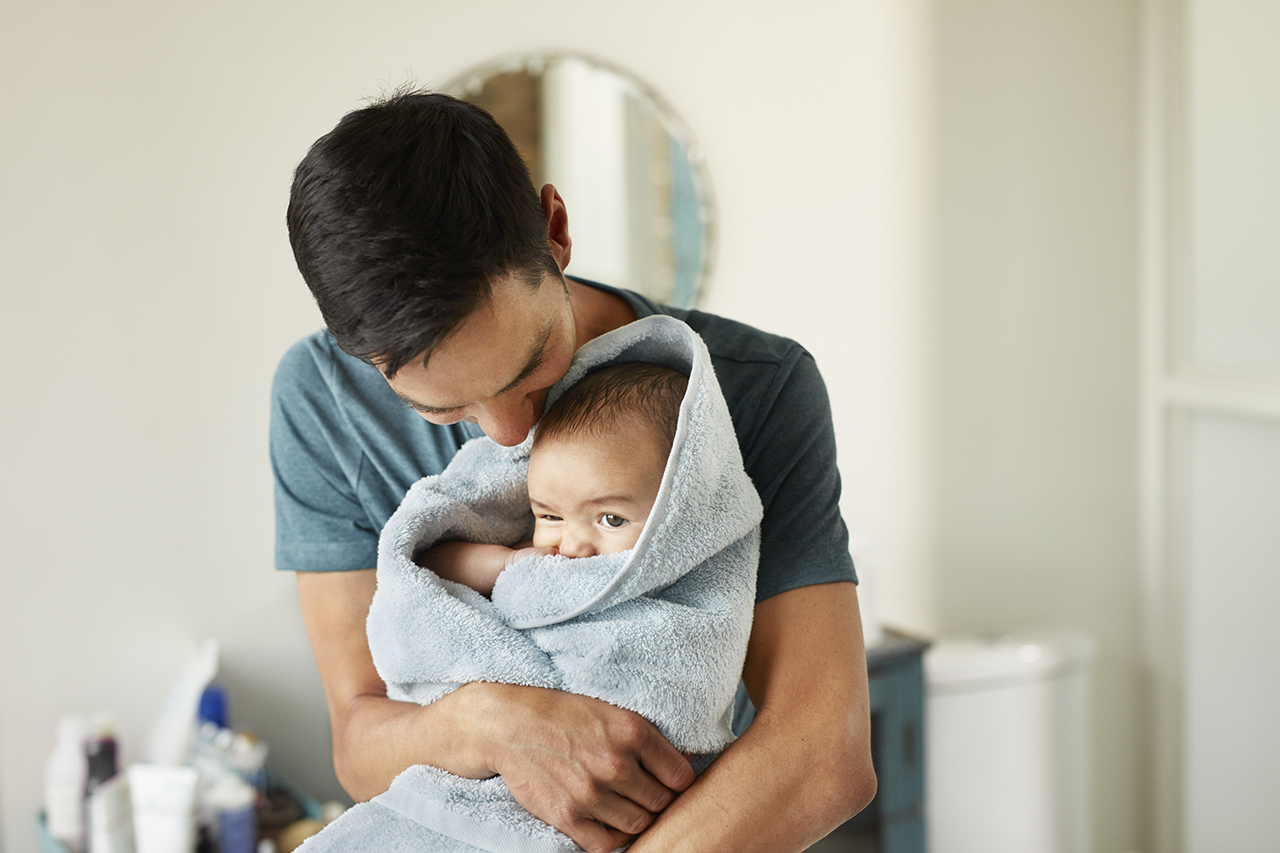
<point>789,451</point>
<point>320,522</point>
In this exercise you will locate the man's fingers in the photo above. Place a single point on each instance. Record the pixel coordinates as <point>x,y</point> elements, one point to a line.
<point>647,773</point>
<point>642,793</point>
<point>596,772</point>
<point>603,835</point>
<point>667,765</point>
<point>595,837</point>
<point>622,814</point>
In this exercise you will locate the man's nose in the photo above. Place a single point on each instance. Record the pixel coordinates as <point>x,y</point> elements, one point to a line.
<point>507,421</point>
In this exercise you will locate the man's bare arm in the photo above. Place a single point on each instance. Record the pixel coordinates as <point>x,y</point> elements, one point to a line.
<point>804,765</point>
<point>594,771</point>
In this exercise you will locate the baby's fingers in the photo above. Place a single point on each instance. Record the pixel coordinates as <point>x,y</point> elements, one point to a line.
<point>531,551</point>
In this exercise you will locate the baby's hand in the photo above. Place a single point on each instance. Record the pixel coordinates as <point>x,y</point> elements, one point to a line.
<point>476,566</point>
<point>468,563</point>
<point>527,549</point>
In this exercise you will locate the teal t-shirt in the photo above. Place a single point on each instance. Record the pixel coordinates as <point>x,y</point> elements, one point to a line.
<point>345,449</point>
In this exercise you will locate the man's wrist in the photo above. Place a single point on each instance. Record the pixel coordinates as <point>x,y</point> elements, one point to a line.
<point>473,711</point>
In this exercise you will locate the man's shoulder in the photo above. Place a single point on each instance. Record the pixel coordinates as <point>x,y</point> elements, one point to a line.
<point>738,342</point>
<point>308,360</point>
<point>769,381</point>
<point>751,365</point>
<point>316,364</point>
<point>728,341</point>
<point>340,406</point>
<point>318,384</point>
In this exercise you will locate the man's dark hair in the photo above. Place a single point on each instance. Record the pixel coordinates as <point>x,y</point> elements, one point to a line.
<point>402,215</point>
<point>638,390</point>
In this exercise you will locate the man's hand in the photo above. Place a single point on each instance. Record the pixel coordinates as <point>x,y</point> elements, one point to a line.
<point>594,771</point>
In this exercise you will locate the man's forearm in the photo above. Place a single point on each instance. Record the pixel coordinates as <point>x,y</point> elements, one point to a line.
<point>374,738</point>
<point>804,765</point>
<point>378,738</point>
<point>771,791</point>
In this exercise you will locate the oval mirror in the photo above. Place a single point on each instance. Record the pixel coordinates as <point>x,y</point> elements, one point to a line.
<point>632,178</point>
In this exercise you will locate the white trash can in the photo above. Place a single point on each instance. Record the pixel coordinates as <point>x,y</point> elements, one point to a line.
<point>1007,745</point>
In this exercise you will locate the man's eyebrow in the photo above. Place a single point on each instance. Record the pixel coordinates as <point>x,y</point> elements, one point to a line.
<point>538,354</point>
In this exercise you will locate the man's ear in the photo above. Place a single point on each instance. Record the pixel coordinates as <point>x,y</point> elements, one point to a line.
<point>557,225</point>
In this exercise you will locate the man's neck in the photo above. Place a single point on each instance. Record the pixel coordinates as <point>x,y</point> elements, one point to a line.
<point>596,312</point>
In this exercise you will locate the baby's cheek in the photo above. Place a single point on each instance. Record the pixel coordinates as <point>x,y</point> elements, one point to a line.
<point>623,540</point>
<point>544,538</point>
<point>633,536</point>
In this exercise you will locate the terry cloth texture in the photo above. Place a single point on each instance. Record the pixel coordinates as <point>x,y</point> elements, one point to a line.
<point>661,629</point>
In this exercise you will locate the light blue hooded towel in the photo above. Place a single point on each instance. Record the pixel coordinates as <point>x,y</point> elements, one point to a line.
<point>661,629</point>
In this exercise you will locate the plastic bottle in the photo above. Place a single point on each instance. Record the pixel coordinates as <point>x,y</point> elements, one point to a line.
<point>232,801</point>
<point>64,784</point>
<point>100,764</point>
<point>213,706</point>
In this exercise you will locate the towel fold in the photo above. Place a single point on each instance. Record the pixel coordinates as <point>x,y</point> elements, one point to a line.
<point>660,629</point>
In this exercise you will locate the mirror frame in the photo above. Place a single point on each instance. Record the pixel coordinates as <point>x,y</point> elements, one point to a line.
<point>470,82</point>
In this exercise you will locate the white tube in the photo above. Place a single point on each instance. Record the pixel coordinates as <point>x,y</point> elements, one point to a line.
<point>64,784</point>
<point>110,828</point>
<point>163,807</point>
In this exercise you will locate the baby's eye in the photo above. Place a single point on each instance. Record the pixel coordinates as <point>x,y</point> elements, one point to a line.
<point>546,516</point>
<point>611,520</point>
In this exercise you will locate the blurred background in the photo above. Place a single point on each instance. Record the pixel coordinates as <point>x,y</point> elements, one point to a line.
<point>1031,246</point>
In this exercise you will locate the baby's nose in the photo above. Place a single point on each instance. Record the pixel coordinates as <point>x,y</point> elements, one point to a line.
<point>572,545</point>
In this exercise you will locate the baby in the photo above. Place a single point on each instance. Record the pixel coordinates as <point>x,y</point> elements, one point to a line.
<point>594,471</point>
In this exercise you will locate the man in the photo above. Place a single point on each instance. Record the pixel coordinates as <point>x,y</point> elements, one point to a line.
<point>439,271</point>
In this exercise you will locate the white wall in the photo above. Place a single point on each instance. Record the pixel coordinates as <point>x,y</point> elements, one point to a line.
<point>1035,316</point>
<point>982,390</point>
<point>1223,494</point>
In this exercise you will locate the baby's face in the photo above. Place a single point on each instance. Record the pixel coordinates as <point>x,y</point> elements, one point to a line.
<point>592,494</point>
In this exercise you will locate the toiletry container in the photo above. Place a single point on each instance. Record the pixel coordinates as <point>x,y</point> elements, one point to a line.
<point>64,785</point>
<point>1007,745</point>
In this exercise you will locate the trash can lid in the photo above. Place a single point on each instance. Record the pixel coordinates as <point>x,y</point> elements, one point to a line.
<point>966,663</point>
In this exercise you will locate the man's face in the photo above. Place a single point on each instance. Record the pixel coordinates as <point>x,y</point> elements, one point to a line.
<point>495,369</point>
